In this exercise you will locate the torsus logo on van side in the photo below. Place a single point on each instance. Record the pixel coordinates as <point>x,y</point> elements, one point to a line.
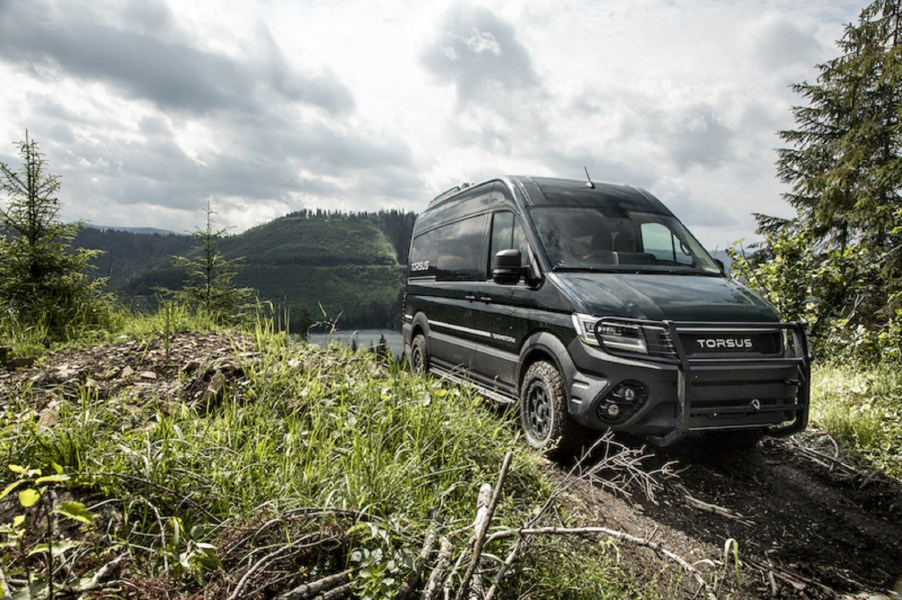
<point>725,343</point>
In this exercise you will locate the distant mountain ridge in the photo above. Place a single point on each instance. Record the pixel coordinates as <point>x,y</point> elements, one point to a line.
<point>144,230</point>
<point>310,265</point>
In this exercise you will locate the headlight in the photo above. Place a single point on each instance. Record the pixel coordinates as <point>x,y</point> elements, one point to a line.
<point>620,336</point>
<point>626,337</point>
<point>585,328</point>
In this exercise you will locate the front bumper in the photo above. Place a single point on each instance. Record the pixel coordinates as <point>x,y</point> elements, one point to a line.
<point>671,393</point>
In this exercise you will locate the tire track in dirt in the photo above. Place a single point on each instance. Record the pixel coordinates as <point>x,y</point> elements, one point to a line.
<point>807,525</point>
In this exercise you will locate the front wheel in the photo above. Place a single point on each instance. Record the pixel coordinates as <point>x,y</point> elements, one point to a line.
<point>543,412</point>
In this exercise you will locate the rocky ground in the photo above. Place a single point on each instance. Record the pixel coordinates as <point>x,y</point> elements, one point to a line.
<point>803,519</point>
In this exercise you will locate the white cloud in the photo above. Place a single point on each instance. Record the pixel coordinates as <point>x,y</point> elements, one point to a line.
<point>148,108</point>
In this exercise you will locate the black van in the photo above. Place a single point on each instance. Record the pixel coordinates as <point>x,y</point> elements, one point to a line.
<point>592,306</point>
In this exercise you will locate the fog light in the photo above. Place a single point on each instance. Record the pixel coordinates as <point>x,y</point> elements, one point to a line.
<point>621,402</point>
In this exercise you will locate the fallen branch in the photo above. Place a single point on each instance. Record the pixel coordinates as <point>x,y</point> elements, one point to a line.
<point>621,468</point>
<point>505,567</point>
<point>106,571</point>
<point>317,587</point>
<point>236,593</point>
<point>484,513</point>
<point>425,552</point>
<point>821,458</point>
<point>339,592</point>
<point>611,461</point>
<point>431,591</point>
<point>798,582</point>
<point>620,535</point>
<point>708,507</point>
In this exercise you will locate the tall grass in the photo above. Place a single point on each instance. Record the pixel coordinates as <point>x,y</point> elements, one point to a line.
<point>306,427</point>
<point>861,406</point>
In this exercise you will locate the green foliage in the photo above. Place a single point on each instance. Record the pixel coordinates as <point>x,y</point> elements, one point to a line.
<point>838,263</point>
<point>209,289</point>
<point>33,490</point>
<point>45,292</point>
<point>826,288</point>
<point>126,255</point>
<point>306,427</point>
<point>358,295</point>
<point>860,408</point>
<point>585,571</point>
<point>844,159</point>
<point>314,242</point>
<point>342,265</point>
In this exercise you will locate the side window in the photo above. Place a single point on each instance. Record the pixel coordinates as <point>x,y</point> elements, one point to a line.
<point>423,254</point>
<point>461,250</point>
<point>660,241</point>
<point>507,233</point>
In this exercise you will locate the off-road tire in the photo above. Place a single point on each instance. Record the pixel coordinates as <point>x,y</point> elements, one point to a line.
<point>419,355</point>
<point>544,417</point>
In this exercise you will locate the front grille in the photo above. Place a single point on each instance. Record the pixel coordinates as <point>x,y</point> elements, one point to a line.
<point>659,342</point>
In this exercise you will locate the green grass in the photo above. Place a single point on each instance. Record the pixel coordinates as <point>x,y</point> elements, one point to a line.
<point>861,407</point>
<point>339,431</point>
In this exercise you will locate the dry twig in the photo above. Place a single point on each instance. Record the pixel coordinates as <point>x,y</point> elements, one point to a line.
<point>708,507</point>
<point>320,586</point>
<point>484,515</point>
<point>620,535</point>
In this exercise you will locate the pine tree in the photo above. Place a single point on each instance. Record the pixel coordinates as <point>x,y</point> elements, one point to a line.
<point>209,287</point>
<point>844,162</point>
<point>43,281</point>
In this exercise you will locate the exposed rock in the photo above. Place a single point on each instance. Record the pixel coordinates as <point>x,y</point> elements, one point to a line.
<point>197,369</point>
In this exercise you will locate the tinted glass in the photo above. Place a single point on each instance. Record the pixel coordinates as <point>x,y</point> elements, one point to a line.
<point>583,238</point>
<point>506,234</point>
<point>423,254</point>
<point>461,250</point>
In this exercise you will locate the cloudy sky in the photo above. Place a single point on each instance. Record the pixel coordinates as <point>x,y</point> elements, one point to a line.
<point>148,108</point>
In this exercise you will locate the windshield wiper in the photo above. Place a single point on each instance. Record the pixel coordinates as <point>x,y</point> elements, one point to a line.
<point>627,269</point>
<point>584,270</point>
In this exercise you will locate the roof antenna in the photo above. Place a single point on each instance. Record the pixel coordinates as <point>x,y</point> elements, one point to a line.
<point>589,183</point>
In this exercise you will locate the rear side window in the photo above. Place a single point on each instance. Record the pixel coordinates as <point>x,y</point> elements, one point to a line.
<point>453,252</point>
<point>461,248</point>
<point>423,254</point>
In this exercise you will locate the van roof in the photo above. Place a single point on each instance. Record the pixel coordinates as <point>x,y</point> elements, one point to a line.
<point>549,191</point>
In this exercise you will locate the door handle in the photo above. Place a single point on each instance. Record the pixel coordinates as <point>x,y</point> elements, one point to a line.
<point>486,299</point>
<point>470,297</point>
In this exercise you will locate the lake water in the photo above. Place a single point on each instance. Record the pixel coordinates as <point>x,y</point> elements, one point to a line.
<point>366,338</point>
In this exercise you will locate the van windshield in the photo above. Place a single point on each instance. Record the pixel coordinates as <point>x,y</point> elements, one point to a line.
<point>604,239</point>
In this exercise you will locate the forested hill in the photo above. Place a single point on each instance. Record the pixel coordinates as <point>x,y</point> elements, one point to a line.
<point>308,263</point>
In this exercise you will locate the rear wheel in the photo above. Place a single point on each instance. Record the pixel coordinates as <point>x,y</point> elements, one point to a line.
<point>419,356</point>
<point>543,412</point>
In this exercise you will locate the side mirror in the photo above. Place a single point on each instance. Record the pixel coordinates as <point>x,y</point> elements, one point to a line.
<point>509,267</point>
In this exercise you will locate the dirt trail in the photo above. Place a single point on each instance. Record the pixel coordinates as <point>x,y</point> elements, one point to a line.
<point>807,524</point>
